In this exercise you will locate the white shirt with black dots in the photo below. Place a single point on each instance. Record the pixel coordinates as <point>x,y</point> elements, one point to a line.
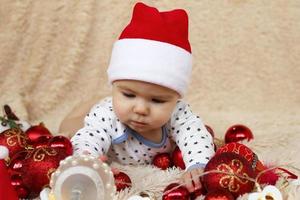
<point>104,134</point>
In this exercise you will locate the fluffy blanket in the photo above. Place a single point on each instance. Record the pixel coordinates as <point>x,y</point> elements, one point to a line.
<point>54,55</point>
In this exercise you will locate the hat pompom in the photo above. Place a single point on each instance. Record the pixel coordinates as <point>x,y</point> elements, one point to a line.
<point>3,152</point>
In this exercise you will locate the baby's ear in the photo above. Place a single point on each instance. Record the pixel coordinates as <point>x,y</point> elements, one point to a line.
<point>75,119</point>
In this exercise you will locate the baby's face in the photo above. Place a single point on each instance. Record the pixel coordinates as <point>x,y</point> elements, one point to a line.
<point>144,107</point>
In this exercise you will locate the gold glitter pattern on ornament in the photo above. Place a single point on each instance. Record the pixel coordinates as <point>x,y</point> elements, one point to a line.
<point>15,136</point>
<point>40,153</point>
<point>230,181</point>
<point>238,149</point>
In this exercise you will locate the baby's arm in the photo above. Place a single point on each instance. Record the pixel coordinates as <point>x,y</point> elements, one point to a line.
<point>94,137</point>
<point>194,141</point>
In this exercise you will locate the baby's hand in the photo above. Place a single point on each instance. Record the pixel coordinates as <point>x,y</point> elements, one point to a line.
<point>191,179</point>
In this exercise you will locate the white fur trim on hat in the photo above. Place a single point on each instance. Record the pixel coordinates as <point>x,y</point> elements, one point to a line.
<point>3,152</point>
<point>151,61</point>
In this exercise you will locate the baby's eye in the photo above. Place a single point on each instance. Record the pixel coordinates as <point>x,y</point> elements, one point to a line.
<point>128,95</point>
<point>158,101</point>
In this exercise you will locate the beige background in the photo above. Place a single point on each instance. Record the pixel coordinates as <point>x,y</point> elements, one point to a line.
<point>54,54</point>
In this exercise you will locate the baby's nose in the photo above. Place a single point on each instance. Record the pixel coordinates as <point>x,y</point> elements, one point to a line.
<point>141,107</point>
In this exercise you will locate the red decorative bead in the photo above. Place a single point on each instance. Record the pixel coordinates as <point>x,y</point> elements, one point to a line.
<point>180,193</point>
<point>17,183</point>
<point>61,143</point>
<point>162,161</point>
<point>237,133</point>
<point>122,181</point>
<point>177,158</point>
<point>16,180</point>
<point>198,193</point>
<point>233,165</point>
<point>219,195</point>
<point>22,191</point>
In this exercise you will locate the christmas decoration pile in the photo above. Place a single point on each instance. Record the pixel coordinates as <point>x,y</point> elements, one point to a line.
<point>33,153</point>
<point>233,171</point>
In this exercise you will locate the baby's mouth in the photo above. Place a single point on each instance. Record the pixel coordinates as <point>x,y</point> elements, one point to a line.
<point>137,123</point>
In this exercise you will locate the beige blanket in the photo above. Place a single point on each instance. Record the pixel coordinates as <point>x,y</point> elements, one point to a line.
<point>54,54</point>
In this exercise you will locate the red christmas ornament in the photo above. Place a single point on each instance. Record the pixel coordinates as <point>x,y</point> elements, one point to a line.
<point>180,193</point>
<point>177,158</point>
<point>122,181</point>
<point>14,139</point>
<point>231,163</point>
<point>36,131</point>
<point>22,191</point>
<point>198,193</point>
<point>238,133</point>
<point>6,189</point>
<point>219,195</point>
<point>16,180</point>
<point>245,152</point>
<point>17,183</point>
<point>210,130</point>
<point>61,143</point>
<point>162,161</point>
<point>37,168</point>
<point>16,162</point>
<point>41,141</point>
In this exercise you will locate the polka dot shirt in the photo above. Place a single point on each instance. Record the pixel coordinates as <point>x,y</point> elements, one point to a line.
<point>104,134</point>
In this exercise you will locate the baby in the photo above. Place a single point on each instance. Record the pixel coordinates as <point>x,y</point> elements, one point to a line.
<point>149,71</point>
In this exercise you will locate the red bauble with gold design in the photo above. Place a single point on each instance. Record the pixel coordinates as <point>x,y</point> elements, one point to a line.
<point>234,168</point>
<point>245,152</point>
<point>177,158</point>
<point>237,133</point>
<point>37,168</point>
<point>14,139</point>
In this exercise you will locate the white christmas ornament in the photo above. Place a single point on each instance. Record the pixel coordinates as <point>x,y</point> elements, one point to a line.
<point>269,192</point>
<point>3,152</point>
<point>44,194</point>
<point>82,177</point>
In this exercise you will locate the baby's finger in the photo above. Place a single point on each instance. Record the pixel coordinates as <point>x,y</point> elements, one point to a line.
<point>187,179</point>
<point>115,171</point>
<point>196,179</point>
<point>103,158</point>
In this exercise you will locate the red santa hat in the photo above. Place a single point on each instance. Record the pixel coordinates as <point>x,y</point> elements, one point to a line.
<point>154,48</point>
<point>7,191</point>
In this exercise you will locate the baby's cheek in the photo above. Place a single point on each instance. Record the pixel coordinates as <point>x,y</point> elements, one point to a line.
<point>121,112</point>
<point>161,118</point>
